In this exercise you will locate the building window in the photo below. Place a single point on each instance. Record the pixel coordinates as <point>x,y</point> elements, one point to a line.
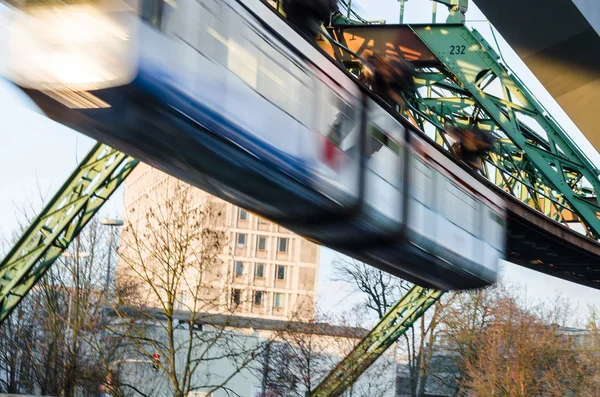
<point>236,297</point>
<point>262,243</point>
<point>241,240</point>
<point>258,298</point>
<point>283,244</point>
<point>278,300</point>
<point>280,272</point>
<point>180,302</point>
<point>243,215</point>
<point>261,221</point>
<point>239,268</point>
<point>260,270</point>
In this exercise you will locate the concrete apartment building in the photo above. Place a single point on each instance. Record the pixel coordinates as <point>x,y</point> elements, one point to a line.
<point>267,271</point>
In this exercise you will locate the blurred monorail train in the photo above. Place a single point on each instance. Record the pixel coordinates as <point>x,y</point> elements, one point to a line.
<point>226,95</point>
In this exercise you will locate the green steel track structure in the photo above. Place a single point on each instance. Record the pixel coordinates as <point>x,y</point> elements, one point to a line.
<point>77,201</point>
<point>392,326</point>
<point>534,160</point>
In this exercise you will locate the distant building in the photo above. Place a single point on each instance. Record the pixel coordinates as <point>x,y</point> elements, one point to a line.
<point>270,272</point>
<point>277,370</point>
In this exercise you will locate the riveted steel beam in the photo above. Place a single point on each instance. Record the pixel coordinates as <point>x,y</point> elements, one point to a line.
<point>393,325</point>
<point>97,177</point>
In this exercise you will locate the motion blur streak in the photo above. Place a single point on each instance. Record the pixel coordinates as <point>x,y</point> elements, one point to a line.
<point>74,47</point>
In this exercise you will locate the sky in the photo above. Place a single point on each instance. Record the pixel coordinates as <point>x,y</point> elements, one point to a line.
<point>37,155</point>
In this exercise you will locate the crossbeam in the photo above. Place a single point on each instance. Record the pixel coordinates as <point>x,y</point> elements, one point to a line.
<point>392,326</point>
<point>96,178</point>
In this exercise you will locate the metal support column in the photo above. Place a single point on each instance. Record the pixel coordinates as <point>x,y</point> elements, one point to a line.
<point>393,325</point>
<point>97,177</point>
<point>457,9</point>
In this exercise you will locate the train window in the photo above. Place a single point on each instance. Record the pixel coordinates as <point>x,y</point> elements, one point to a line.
<point>422,182</point>
<point>273,82</point>
<point>339,122</point>
<point>383,155</point>
<point>460,208</point>
<point>495,230</point>
<point>384,163</point>
<point>242,60</point>
<point>200,24</point>
<point>378,138</point>
<point>277,77</point>
<point>163,14</point>
<point>474,219</point>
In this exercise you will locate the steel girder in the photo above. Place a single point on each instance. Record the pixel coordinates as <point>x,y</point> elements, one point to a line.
<point>393,325</point>
<point>79,199</point>
<point>534,159</point>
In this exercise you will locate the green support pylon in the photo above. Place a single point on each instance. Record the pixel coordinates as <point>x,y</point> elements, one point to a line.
<point>456,8</point>
<point>534,154</point>
<point>392,326</point>
<point>87,189</point>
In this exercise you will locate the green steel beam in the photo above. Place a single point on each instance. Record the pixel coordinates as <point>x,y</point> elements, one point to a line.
<point>457,9</point>
<point>79,199</point>
<point>393,325</point>
<point>533,152</point>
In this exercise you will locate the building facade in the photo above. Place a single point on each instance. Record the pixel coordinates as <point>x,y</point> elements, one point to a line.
<point>288,356</point>
<point>266,270</point>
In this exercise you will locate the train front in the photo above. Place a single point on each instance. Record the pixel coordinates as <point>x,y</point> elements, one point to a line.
<point>73,46</point>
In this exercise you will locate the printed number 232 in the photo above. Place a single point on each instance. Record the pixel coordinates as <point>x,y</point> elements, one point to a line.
<point>457,49</point>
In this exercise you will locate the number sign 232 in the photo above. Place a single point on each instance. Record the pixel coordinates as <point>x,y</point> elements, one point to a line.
<point>457,49</point>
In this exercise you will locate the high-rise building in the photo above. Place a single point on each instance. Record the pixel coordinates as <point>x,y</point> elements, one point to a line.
<point>266,271</point>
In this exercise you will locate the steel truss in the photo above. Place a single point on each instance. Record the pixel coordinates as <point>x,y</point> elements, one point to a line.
<point>534,159</point>
<point>392,326</point>
<point>78,200</point>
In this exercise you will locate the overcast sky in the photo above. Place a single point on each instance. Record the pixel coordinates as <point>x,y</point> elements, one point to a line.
<point>37,154</point>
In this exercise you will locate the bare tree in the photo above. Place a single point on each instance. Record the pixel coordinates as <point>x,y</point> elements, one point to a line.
<point>494,343</point>
<point>51,340</point>
<point>15,361</point>
<point>171,285</point>
<point>461,328</point>
<point>381,291</point>
<point>379,379</point>
<point>299,358</point>
<point>306,352</point>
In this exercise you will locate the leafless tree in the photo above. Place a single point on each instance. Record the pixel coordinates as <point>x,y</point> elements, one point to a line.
<point>494,342</point>
<point>52,339</point>
<point>304,354</point>
<point>381,291</point>
<point>171,284</point>
<point>461,328</point>
<point>380,378</point>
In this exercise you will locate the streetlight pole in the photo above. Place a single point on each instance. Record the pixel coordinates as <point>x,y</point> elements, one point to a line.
<point>76,256</point>
<point>112,223</point>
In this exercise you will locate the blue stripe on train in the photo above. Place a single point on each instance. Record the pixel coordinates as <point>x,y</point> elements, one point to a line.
<point>160,85</point>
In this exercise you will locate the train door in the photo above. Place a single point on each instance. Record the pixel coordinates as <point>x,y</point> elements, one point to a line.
<point>384,152</point>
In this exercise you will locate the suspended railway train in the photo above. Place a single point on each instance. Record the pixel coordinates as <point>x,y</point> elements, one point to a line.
<point>227,96</point>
